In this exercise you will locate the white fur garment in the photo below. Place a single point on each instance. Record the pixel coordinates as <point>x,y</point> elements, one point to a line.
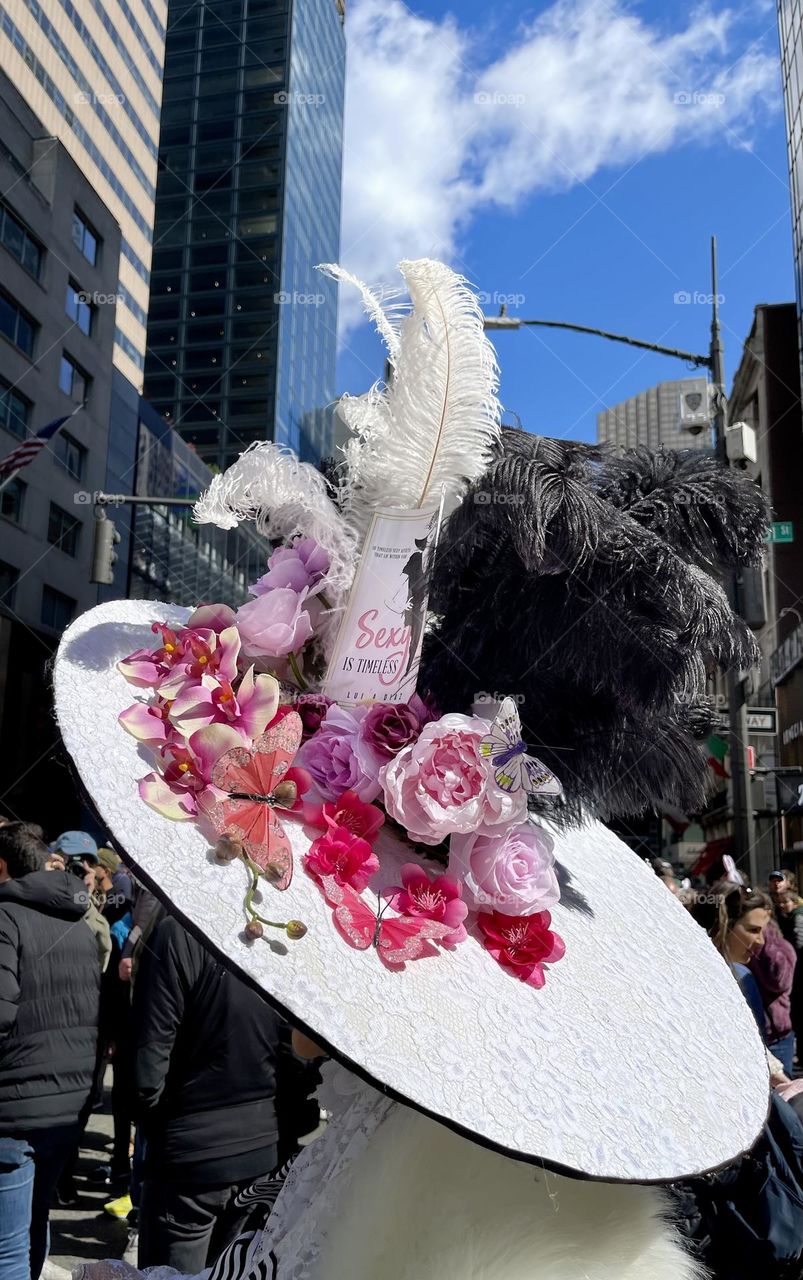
<point>425,1204</point>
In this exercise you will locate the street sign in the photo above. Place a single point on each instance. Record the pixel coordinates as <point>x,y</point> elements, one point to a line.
<point>780,531</point>
<point>760,720</point>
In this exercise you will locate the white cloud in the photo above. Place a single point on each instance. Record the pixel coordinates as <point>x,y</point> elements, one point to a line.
<point>430,140</point>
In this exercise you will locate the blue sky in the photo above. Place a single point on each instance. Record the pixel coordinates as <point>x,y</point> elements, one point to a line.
<point>574,157</point>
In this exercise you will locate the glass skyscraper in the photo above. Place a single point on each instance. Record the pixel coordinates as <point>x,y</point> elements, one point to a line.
<point>790,22</point>
<point>241,328</point>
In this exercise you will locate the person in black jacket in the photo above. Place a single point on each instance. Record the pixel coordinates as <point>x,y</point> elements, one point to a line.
<point>49,999</point>
<point>205,1070</point>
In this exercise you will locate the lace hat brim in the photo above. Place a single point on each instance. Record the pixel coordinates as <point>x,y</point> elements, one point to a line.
<point>639,1060</point>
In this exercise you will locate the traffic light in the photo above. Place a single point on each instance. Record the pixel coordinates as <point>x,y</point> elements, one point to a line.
<point>103,552</point>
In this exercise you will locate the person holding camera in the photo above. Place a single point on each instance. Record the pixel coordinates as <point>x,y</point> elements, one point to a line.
<point>49,1004</point>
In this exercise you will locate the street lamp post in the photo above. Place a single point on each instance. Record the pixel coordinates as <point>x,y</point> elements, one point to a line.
<point>743,824</point>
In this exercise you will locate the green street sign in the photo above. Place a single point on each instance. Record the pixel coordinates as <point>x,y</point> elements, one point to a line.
<point>781,531</point>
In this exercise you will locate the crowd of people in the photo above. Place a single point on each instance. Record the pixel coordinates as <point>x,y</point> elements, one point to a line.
<point>206,1094</point>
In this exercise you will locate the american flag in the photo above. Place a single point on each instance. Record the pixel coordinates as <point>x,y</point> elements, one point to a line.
<point>27,451</point>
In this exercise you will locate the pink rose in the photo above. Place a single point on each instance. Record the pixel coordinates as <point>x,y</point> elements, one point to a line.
<point>275,624</point>
<point>441,784</point>
<point>512,872</point>
<point>341,854</point>
<point>437,899</point>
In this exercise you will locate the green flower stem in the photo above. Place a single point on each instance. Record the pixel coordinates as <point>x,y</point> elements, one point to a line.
<point>250,909</point>
<point>294,667</point>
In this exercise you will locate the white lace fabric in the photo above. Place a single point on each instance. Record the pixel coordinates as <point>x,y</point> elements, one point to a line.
<point>297,1228</point>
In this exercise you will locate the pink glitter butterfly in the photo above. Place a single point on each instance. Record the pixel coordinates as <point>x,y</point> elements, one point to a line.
<point>397,939</point>
<point>254,780</point>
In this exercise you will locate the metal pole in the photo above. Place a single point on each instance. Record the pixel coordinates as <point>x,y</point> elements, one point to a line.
<point>743,823</point>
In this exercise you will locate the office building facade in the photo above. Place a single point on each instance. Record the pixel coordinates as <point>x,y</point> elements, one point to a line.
<point>55,354</point>
<point>241,328</point>
<point>91,73</point>
<point>668,414</point>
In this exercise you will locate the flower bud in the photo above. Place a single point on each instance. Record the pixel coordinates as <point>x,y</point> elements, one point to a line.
<point>295,929</point>
<point>227,849</point>
<point>273,872</point>
<point>253,930</point>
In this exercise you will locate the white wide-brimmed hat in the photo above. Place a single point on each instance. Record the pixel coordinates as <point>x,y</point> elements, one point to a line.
<point>638,1059</point>
<point>533,984</point>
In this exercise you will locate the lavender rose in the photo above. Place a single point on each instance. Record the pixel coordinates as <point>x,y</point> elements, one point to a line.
<point>301,565</point>
<point>513,872</point>
<point>337,759</point>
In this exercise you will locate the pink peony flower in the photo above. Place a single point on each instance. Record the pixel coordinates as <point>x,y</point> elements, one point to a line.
<point>275,624</point>
<point>522,945</point>
<point>301,565</point>
<point>341,854</point>
<point>441,784</point>
<point>513,871</point>
<point>437,899</point>
<point>338,759</point>
<point>351,812</point>
<point>389,727</point>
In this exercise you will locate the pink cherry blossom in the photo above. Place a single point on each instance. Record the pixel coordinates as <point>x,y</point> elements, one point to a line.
<point>351,812</point>
<point>436,899</point>
<point>341,854</point>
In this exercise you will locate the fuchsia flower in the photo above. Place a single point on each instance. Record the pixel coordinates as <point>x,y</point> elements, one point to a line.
<point>437,899</point>
<point>183,788</point>
<point>341,854</point>
<point>312,707</point>
<point>389,727</point>
<point>337,757</point>
<point>521,944</point>
<point>250,710</point>
<point>275,623</point>
<point>351,812</point>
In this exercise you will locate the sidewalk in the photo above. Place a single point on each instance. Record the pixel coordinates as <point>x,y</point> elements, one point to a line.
<point>84,1232</point>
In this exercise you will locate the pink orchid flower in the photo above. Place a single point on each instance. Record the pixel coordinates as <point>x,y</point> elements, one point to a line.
<point>148,722</point>
<point>206,653</point>
<point>437,899</point>
<point>183,789</point>
<point>148,667</point>
<point>213,701</point>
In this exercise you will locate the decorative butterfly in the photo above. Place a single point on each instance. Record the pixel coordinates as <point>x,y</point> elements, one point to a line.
<point>254,780</point>
<point>397,939</point>
<point>513,769</point>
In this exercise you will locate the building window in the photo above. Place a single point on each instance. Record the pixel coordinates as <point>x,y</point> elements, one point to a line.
<point>84,238</point>
<point>12,499</point>
<point>69,454</point>
<point>15,410</point>
<point>58,610</point>
<point>63,530</point>
<point>8,583</point>
<point>17,325</point>
<point>19,242</point>
<point>78,308</point>
<point>73,381</point>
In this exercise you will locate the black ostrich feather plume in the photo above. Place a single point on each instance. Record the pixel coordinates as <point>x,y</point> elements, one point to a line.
<point>579,583</point>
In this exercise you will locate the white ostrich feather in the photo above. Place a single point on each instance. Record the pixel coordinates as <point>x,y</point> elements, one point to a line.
<point>435,424</point>
<point>283,497</point>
